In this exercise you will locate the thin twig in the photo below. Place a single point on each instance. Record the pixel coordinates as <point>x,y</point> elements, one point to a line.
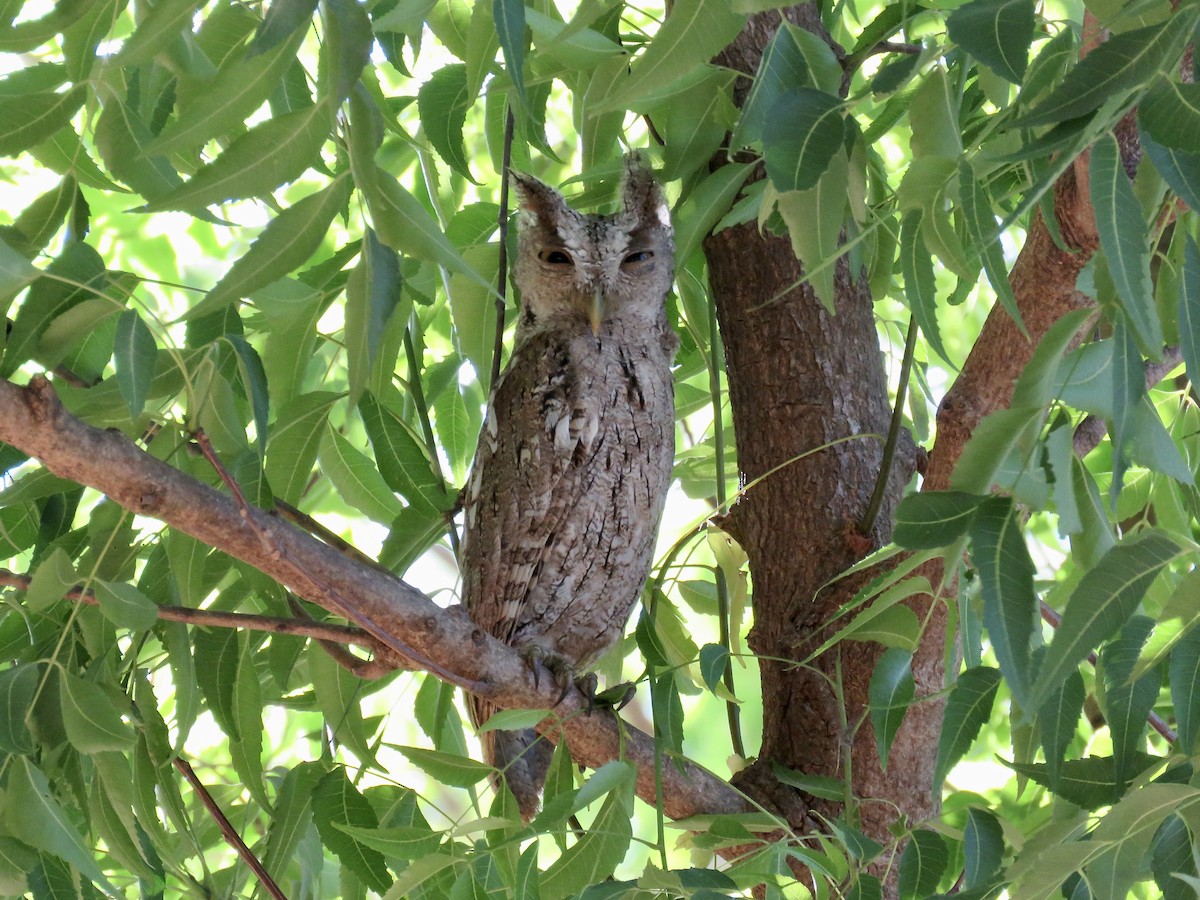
<point>228,831</point>
<point>893,435</point>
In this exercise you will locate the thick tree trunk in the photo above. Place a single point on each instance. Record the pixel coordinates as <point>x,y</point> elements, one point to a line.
<point>799,379</point>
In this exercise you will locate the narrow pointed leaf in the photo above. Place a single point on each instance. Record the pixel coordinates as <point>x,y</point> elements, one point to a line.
<point>1123,63</point>
<point>922,863</point>
<point>920,289</point>
<point>890,692</point>
<point>983,847</point>
<point>931,519</point>
<point>30,119</point>
<point>1010,603</point>
<point>804,129</point>
<point>1103,601</point>
<point>135,356</point>
<point>286,243</point>
<point>1122,229</point>
<point>1189,310</point>
<point>967,710</point>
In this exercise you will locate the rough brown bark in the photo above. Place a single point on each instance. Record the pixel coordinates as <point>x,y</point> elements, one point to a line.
<point>800,378</point>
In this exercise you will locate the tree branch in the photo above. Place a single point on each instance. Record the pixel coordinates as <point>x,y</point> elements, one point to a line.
<point>398,616</point>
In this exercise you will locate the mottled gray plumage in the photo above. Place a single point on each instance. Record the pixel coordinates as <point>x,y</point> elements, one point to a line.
<point>575,456</point>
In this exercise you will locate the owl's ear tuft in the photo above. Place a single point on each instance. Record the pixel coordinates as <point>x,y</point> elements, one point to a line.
<point>641,196</point>
<point>537,199</point>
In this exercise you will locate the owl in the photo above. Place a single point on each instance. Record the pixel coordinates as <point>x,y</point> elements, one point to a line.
<point>574,459</point>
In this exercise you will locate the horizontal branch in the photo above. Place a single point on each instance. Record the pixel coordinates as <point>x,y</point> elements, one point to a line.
<point>442,641</point>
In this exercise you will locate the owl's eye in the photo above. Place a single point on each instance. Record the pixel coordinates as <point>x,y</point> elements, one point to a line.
<point>639,256</point>
<point>555,257</point>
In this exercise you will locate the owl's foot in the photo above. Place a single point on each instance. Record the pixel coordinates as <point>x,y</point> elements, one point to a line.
<point>538,658</point>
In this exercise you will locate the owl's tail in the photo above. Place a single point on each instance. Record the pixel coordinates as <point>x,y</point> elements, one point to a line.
<point>523,758</point>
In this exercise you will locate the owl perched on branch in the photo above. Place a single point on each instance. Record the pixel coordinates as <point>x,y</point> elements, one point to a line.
<point>575,456</point>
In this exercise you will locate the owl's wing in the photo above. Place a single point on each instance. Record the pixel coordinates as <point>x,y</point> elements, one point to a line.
<point>526,477</point>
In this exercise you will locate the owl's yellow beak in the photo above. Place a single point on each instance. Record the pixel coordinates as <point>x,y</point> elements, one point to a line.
<point>596,313</point>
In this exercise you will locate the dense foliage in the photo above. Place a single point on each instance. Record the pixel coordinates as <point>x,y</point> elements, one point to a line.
<point>266,244</point>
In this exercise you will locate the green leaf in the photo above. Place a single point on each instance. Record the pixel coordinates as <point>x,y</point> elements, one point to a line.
<point>405,225</point>
<point>694,32</point>
<point>124,605</point>
<point>595,856</point>
<point>122,138</point>
<point>1057,720</point>
<point>509,19</point>
<point>815,218</point>
<point>36,818</point>
<point>1170,113</point>
<point>216,653</point>
<point>932,519</point>
<point>401,842</point>
<point>18,687</point>
<point>996,32</point>
<point>967,709</point>
<point>335,801</point>
<point>76,275</point>
<point>1127,701</point>
<point>156,32</point>
<point>372,296</point>
<point>706,205</point>
<point>401,459</point>
<point>241,85</point>
<point>977,211</point>
<point>135,356</point>
<point>1179,169</point>
<point>1125,834</point>
<point>254,382</point>
<point>817,785</point>
<point>271,153</point>
<point>1122,230</point>
<point>290,817</point>
<point>54,576</point>
<point>30,119</point>
<point>781,69</point>
<point>920,289</point>
<point>296,438</point>
<point>287,242</point>
<point>714,659</point>
<point>339,697</point>
<point>90,716</point>
<point>1103,601</point>
<point>513,720</point>
<point>1010,603</point>
<point>1120,65</point>
<point>1089,783</point>
<point>448,768</point>
<point>1189,309</point>
<point>1171,852</point>
<point>805,128</point>
<point>29,234</point>
<point>922,863</point>
<point>889,695</point>
<point>983,847</point>
<point>357,480</point>
<point>1184,677</point>
<point>346,47</point>
<point>443,102</point>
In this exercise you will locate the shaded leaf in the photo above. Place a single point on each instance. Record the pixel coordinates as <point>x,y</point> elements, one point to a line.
<point>443,102</point>
<point>983,847</point>
<point>1103,601</point>
<point>804,129</point>
<point>335,801</point>
<point>967,709</point>
<point>889,694</point>
<point>996,32</point>
<point>932,519</point>
<point>1122,63</point>
<point>134,356</point>
<point>1010,603</point>
<point>922,863</point>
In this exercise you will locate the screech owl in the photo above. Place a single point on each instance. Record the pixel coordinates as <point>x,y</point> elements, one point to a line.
<point>575,456</point>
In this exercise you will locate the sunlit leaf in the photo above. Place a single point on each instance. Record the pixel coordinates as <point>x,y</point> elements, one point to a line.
<point>335,801</point>
<point>931,519</point>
